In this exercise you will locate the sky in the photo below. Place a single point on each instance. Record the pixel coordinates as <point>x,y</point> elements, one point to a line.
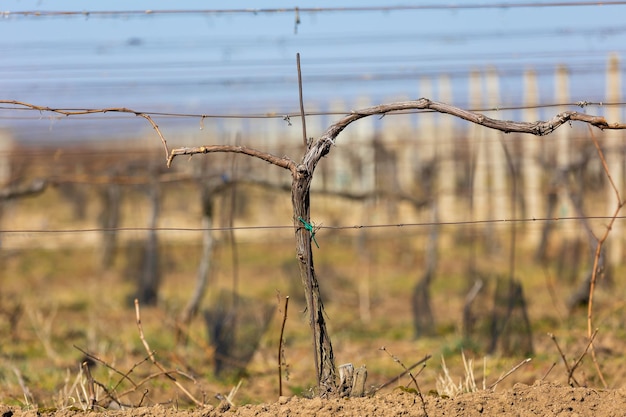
<point>240,62</point>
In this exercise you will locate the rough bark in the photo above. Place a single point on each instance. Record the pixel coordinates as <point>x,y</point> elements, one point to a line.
<point>323,350</point>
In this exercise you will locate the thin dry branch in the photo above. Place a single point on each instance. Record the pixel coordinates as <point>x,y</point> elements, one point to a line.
<point>283,162</point>
<point>515,368</point>
<point>167,373</point>
<point>322,146</point>
<point>539,128</point>
<point>580,358</point>
<point>397,377</point>
<point>124,375</point>
<point>570,372</point>
<point>596,259</point>
<point>71,112</point>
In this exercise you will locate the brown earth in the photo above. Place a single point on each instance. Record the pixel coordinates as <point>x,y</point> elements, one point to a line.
<point>540,399</point>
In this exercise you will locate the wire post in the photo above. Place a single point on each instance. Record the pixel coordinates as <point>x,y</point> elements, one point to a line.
<point>304,139</point>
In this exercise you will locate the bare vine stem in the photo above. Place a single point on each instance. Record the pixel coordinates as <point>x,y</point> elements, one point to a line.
<point>70,112</point>
<point>322,146</point>
<point>596,259</point>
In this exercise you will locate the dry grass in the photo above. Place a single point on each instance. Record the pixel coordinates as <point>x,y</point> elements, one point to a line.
<point>446,386</point>
<point>67,300</point>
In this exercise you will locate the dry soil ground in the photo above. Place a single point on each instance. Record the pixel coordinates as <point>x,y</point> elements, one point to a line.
<point>540,399</point>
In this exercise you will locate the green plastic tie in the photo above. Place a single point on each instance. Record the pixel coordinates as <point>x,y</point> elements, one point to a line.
<point>309,227</point>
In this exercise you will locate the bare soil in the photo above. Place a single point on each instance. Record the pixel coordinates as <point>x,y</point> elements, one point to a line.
<point>540,399</point>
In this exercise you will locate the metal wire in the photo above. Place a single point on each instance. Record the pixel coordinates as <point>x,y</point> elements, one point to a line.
<point>302,10</point>
<point>317,227</point>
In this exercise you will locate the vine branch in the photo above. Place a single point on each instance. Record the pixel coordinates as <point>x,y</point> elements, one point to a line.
<point>72,112</point>
<point>282,162</point>
<point>323,144</point>
<point>596,259</point>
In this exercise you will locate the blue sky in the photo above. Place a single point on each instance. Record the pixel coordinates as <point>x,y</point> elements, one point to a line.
<point>244,62</point>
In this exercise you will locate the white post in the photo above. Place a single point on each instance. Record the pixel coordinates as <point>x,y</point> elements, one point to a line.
<point>478,153</point>
<point>6,145</point>
<point>562,140</point>
<point>531,168</point>
<point>445,152</point>
<point>499,190</point>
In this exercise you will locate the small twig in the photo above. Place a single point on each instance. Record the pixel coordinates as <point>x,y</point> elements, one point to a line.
<point>141,336</point>
<point>515,368</point>
<point>396,378</point>
<point>580,358</point>
<point>150,377</point>
<point>569,369</point>
<point>408,371</point>
<point>596,258</point>
<point>281,355</point>
<point>282,162</point>
<point>154,361</point>
<point>124,375</point>
<point>145,392</point>
<point>548,371</point>
<point>606,168</point>
<point>109,393</point>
